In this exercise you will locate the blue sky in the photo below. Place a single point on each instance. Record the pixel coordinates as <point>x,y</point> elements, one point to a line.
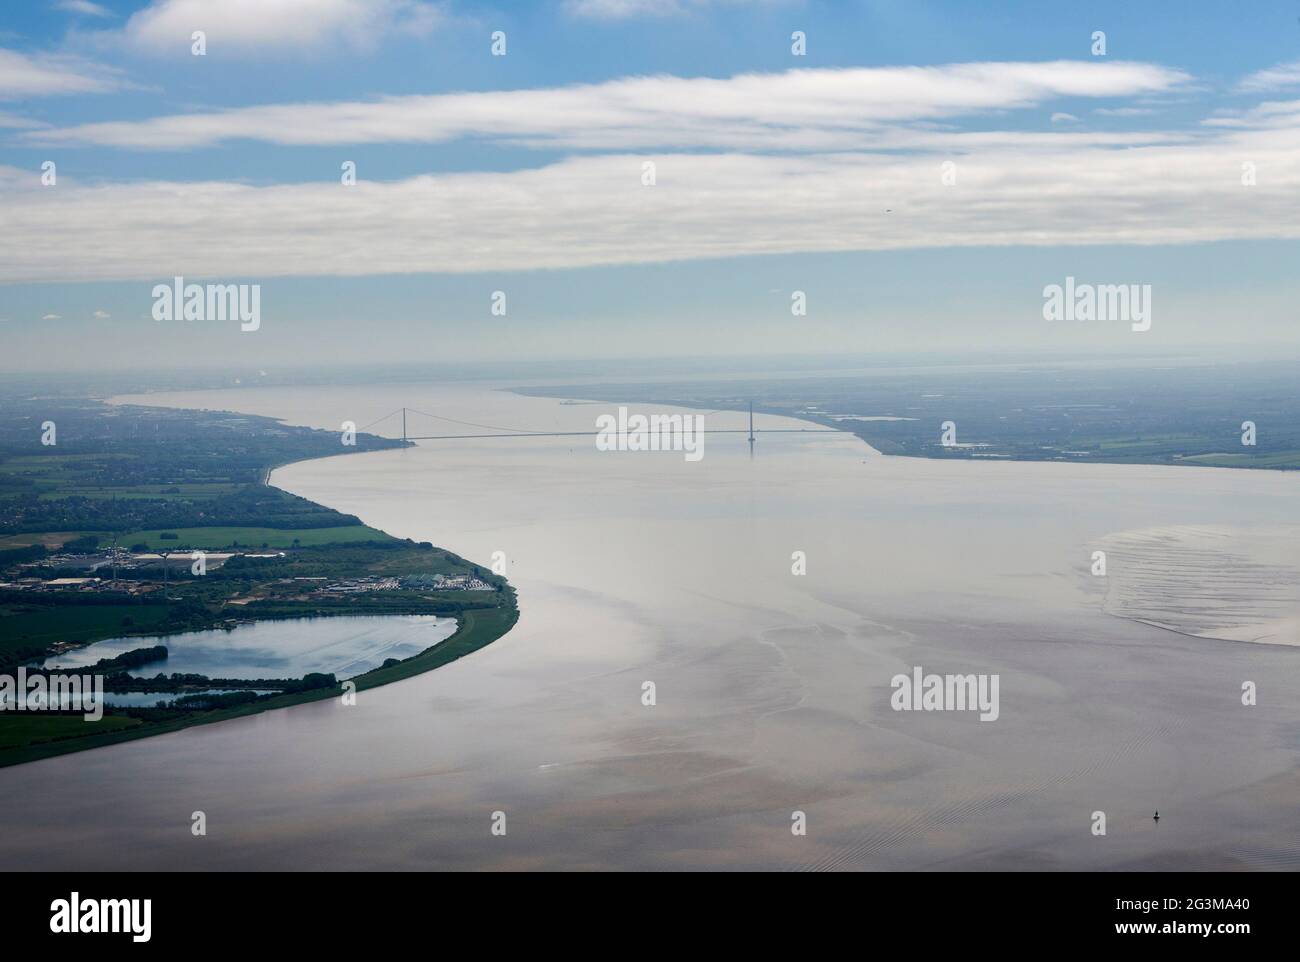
<point>523,173</point>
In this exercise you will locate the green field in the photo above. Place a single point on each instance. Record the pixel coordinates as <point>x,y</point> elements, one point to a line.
<point>21,729</point>
<point>128,476</point>
<point>51,539</point>
<point>64,476</point>
<point>167,492</point>
<point>214,538</point>
<point>78,623</point>
<point>52,475</point>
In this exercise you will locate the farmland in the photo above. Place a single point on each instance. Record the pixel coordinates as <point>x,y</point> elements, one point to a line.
<point>103,508</point>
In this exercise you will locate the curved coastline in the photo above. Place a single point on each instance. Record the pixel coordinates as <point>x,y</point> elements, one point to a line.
<point>552,715</point>
<point>475,629</point>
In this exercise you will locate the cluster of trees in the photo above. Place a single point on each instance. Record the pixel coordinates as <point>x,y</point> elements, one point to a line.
<point>177,681</point>
<point>14,656</point>
<point>210,701</point>
<point>214,701</point>
<point>130,659</point>
<point>252,506</point>
<point>13,556</point>
<point>162,446</point>
<point>113,669</point>
<point>156,449</point>
<point>62,599</point>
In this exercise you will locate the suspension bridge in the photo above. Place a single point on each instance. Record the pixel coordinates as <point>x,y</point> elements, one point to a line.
<point>498,431</point>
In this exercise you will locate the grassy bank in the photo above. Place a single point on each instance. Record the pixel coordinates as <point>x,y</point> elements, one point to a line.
<point>80,521</point>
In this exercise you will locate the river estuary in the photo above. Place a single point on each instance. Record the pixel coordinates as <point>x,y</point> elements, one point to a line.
<point>1120,694</point>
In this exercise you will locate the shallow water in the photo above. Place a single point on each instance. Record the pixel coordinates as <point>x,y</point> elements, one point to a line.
<point>773,690</point>
<point>345,646</point>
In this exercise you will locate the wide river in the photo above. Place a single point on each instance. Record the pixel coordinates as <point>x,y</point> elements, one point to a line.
<point>1118,694</point>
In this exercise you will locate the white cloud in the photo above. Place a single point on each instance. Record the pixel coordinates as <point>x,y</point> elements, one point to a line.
<point>101,315</point>
<point>835,150</point>
<point>583,211</point>
<point>1064,118</point>
<point>625,9</point>
<point>1274,78</point>
<point>84,7</point>
<point>1271,113</point>
<point>620,9</point>
<point>254,26</point>
<point>15,122</point>
<point>51,317</point>
<point>822,109</point>
<point>1124,111</point>
<point>43,75</point>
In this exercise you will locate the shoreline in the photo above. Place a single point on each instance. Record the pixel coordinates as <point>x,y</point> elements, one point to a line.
<point>470,635</point>
<point>798,669</point>
<point>475,629</point>
<point>842,423</point>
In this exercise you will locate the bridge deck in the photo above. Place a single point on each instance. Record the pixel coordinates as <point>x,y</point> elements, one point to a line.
<point>592,434</point>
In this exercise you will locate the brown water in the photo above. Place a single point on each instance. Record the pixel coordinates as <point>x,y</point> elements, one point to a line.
<point>773,690</point>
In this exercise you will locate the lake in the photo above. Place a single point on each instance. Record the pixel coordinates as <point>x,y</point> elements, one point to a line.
<point>345,646</point>
<point>772,691</point>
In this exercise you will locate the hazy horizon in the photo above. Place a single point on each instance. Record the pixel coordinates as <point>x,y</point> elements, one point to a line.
<point>242,372</point>
<point>622,178</point>
<point>675,435</point>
